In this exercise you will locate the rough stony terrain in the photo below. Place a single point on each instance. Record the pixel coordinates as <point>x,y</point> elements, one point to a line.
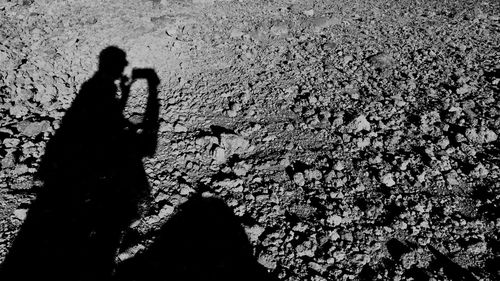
<point>356,140</point>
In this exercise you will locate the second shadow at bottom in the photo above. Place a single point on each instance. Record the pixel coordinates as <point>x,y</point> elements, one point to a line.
<point>203,241</point>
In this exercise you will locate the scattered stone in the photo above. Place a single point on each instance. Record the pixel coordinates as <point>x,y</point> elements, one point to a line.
<point>166,127</point>
<point>348,236</point>
<point>236,33</point>
<point>334,220</point>
<point>279,29</point>
<point>304,211</point>
<point>324,116</point>
<point>267,260</point>
<point>309,13</point>
<point>234,144</point>
<point>18,111</point>
<point>254,232</point>
<point>21,184</point>
<point>261,198</point>
<point>234,109</point>
<point>490,136</point>
<point>360,123</point>
<point>298,179</point>
<point>203,2</point>
<point>313,175</point>
<point>330,177</point>
<point>334,236</point>
<point>310,84</point>
<point>179,128</point>
<point>417,258</point>
<point>235,106</point>
<point>285,161</point>
<point>452,178</point>
<point>207,194</point>
<point>21,214</point>
<point>381,60</point>
<point>321,23</point>
<point>339,166</point>
<point>316,267</point>
<point>269,138</point>
<point>483,135</point>
<point>32,129</point>
<point>348,59</point>
<point>300,227</point>
<point>363,142</point>
<point>471,135</point>
<point>166,211</point>
<point>6,131</point>
<point>186,189</point>
<point>241,168</point>
<point>478,248</point>
<point>130,252</point>
<point>306,249</point>
<point>230,184</point>
<point>313,100</point>
<point>480,171</point>
<point>3,55</point>
<point>45,95</point>
<point>464,89</point>
<point>339,256</point>
<point>219,155</point>
<point>388,180</point>
<point>8,161</point>
<point>20,169</point>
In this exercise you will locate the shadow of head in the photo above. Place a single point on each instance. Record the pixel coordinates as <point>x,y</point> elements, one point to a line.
<point>112,61</point>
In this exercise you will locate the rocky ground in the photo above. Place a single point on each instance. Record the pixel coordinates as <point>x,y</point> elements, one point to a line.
<point>356,140</point>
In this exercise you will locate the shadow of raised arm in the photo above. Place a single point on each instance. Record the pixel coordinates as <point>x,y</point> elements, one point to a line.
<point>148,136</point>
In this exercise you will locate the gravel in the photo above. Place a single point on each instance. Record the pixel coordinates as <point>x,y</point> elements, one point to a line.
<point>352,142</point>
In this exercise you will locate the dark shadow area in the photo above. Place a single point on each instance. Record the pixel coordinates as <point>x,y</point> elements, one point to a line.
<point>367,273</point>
<point>487,194</point>
<point>417,274</point>
<point>94,181</point>
<point>397,249</point>
<point>296,167</point>
<point>389,214</point>
<point>439,264</point>
<point>451,269</point>
<point>492,263</point>
<point>203,241</point>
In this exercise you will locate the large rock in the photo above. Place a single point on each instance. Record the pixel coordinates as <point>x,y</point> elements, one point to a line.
<point>388,180</point>
<point>33,129</point>
<point>483,135</point>
<point>320,23</point>
<point>360,124</point>
<point>3,55</point>
<point>234,144</point>
<point>381,60</point>
<point>254,232</point>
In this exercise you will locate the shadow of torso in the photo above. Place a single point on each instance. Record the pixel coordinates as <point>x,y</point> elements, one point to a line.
<point>93,182</point>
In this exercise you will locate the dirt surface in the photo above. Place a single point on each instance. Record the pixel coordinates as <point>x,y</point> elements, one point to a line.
<point>352,140</point>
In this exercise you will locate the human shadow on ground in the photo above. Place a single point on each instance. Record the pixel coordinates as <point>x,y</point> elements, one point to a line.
<point>94,181</point>
<point>203,241</point>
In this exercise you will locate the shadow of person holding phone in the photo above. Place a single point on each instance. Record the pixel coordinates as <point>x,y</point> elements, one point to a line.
<point>94,181</point>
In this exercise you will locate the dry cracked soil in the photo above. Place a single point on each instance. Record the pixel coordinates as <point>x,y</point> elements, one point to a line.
<point>287,140</point>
